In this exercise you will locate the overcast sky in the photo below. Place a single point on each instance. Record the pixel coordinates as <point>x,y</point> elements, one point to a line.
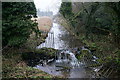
<point>48,5</point>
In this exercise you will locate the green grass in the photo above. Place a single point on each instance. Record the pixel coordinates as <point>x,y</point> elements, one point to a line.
<point>14,67</point>
<point>46,51</point>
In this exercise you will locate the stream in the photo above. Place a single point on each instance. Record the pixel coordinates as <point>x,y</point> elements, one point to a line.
<point>65,64</point>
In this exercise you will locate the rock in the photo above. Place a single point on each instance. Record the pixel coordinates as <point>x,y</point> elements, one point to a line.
<point>33,58</point>
<point>63,67</point>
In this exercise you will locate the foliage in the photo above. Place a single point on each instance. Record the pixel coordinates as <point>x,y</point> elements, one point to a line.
<point>16,23</point>
<point>97,18</point>
<point>66,11</point>
<point>14,67</point>
<point>46,51</point>
<point>104,20</point>
<point>114,11</point>
<point>117,59</point>
<point>98,26</point>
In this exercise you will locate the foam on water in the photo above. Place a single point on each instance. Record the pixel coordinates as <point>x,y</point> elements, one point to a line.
<point>68,58</point>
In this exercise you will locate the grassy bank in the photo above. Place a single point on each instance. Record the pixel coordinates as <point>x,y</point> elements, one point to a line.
<point>14,59</point>
<point>15,67</point>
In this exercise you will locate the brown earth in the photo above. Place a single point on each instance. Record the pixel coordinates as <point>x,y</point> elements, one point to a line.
<point>44,23</point>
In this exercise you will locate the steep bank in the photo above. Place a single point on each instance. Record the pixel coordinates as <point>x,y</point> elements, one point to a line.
<point>15,59</point>
<point>94,36</point>
<point>16,66</point>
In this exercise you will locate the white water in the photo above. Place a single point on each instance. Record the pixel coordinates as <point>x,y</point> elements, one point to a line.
<point>53,40</point>
<point>64,41</point>
<point>67,57</point>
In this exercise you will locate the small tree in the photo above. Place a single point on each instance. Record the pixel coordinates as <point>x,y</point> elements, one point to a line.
<point>16,22</point>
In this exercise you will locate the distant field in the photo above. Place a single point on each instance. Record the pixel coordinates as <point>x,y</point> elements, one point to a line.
<point>44,23</point>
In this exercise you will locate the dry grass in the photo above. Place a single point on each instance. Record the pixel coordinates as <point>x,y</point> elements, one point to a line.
<point>44,23</point>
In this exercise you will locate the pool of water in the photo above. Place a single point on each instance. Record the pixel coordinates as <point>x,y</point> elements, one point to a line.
<point>78,72</point>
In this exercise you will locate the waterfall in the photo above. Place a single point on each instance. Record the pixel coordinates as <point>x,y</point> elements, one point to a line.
<point>74,60</point>
<point>67,58</point>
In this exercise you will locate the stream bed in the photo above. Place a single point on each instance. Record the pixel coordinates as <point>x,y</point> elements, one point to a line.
<point>65,63</point>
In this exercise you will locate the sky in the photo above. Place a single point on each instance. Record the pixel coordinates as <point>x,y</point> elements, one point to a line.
<point>48,5</point>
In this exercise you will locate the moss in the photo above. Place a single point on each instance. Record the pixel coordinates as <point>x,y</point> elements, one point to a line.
<point>46,51</point>
<point>14,67</point>
<point>26,72</point>
<point>91,45</point>
<point>29,72</point>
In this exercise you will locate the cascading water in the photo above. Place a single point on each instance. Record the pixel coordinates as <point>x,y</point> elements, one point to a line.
<point>65,64</point>
<point>74,61</point>
<point>67,57</point>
